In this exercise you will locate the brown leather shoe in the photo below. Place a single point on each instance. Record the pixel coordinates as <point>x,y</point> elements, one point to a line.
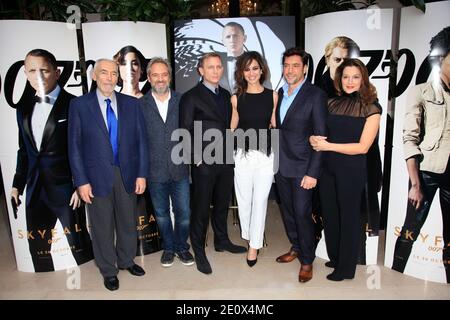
<point>306,273</point>
<point>288,257</point>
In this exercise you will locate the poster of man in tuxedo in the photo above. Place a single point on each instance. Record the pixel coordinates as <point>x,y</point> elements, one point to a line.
<point>48,222</point>
<point>230,37</point>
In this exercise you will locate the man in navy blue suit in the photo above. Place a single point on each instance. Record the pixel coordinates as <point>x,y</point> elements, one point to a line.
<point>109,161</point>
<point>301,112</point>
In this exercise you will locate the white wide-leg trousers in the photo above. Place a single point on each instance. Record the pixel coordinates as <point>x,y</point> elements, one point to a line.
<point>253,177</point>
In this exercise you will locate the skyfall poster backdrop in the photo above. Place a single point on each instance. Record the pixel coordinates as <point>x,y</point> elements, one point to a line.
<point>50,237</point>
<point>424,260</point>
<point>270,36</point>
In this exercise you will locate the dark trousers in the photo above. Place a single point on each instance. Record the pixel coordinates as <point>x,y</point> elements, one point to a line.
<point>113,228</point>
<point>42,215</point>
<point>212,184</point>
<point>296,206</point>
<point>416,218</point>
<point>340,191</point>
<point>370,208</point>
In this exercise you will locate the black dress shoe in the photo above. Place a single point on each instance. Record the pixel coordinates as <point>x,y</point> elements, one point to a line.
<point>135,270</point>
<point>230,247</point>
<point>203,265</point>
<point>111,283</point>
<point>334,276</point>
<point>330,264</point>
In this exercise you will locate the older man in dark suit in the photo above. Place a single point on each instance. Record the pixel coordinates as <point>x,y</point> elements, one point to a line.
<point>108,155</point>
<point>42,164</point>
<point>301,112</point>
<point>208,105</point>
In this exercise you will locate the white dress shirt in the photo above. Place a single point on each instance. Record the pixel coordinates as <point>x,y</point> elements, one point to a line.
<point>40,116</point>
<point>163,106</point>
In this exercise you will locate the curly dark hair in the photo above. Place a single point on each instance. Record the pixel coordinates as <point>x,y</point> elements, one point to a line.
<point>244,62</point>
<point>367,92</point>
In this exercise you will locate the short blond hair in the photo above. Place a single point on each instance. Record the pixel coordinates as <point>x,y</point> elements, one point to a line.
<point>344,43</point>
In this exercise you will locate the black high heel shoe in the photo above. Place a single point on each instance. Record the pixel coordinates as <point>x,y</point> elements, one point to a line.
<point>251,263</point>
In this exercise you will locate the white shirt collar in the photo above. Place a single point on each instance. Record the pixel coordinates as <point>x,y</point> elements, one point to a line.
<point>158,100</point>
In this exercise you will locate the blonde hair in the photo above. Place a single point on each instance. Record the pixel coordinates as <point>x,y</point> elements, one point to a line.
<point>344,43</point>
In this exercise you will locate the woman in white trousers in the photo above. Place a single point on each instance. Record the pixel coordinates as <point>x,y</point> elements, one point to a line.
<point>253,116</point>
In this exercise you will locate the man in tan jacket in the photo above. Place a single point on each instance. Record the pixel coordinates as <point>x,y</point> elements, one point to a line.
<point>426,142</point>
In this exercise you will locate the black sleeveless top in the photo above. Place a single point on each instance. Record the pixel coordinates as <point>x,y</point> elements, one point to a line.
<point>346,119</point>
<point>255,111</point>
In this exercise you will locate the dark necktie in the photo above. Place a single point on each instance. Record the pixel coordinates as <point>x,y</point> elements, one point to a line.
<point>112,128</point>
<point>231,58</point>
<point>45,99</point>
<point>216,91</point>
